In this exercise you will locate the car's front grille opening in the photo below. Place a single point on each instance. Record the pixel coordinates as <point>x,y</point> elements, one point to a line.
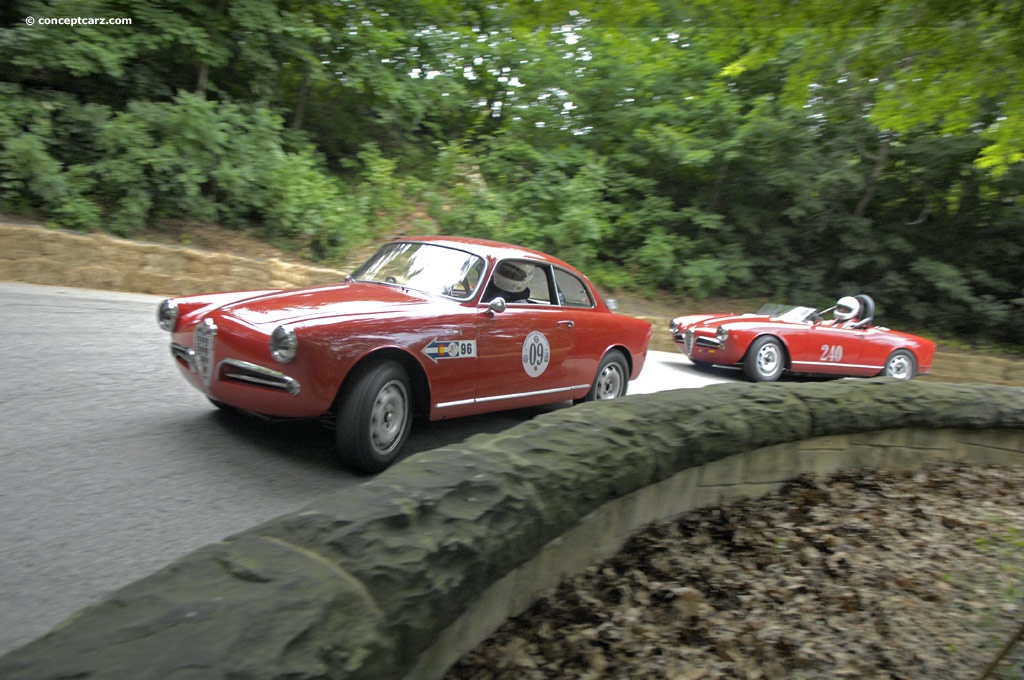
<point>205,339</point>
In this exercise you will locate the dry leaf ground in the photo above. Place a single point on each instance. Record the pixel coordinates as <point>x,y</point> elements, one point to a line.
<point>861,575</point>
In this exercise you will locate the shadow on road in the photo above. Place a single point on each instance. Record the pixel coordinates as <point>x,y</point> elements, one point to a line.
<point>309,443</point>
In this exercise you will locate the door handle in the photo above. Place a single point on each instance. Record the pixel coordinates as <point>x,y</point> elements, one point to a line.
<point>567,323</point>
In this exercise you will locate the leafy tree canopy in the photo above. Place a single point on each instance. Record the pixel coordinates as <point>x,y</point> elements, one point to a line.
<point>951,66</point>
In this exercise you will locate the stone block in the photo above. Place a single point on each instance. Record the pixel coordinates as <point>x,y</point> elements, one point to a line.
<point>983,454</point>
<point>1008,440</point>
<point>774,463</point>
<point>673,496</point>
<point>915,458</point>
<point>830,460</point>
<point>723,495</point>
<point>725,471</point>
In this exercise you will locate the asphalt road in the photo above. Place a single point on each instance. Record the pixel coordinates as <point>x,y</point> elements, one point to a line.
<point>111,466</point>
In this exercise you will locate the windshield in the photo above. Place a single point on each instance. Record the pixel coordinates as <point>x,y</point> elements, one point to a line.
<point>434,269</point>
<point>791,313</point>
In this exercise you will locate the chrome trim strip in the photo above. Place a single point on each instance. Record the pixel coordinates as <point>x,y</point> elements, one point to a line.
<point>485,400</point>
<point>712,343</point>
<point>186,354</point>
<point>257,375</point>
<point>830,363</point>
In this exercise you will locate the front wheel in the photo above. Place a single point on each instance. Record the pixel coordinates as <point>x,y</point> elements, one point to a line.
<point>765,359</point>
<point>612,378</point>
<point>374,417</point>
<point>900,365</point>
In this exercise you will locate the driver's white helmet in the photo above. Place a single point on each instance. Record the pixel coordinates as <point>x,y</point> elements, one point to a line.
<point>512,277</point>
<point>847,308</point>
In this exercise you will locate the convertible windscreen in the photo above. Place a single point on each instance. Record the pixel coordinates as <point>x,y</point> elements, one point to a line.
<point>790,313</point>
<point>433,269</point>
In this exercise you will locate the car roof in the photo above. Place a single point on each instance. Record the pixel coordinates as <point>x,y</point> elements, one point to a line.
<point>486,248</point>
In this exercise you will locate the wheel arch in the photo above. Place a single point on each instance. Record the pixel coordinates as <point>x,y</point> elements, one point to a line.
<point>417,376</point>
<point>625,352</point>
<point>786,357</point>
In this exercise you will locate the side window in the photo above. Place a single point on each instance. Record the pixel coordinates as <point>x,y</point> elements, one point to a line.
<point>520,282</point>
<point>540,291</point>
<point>572,291</point>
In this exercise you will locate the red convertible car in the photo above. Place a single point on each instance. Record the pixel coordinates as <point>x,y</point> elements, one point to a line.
<point>785,338</point>
<point>434,327</point>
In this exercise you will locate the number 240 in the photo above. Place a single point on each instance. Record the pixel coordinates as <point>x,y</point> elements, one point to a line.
<point>831,353</point>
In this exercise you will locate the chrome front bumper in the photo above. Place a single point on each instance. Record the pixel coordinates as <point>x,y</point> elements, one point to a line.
<point>689,340</point>
<point>234,370</point>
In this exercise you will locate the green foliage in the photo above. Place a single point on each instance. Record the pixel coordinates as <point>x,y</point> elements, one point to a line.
<point>658,261</point>
<point>462,202</point>
<point>952,66</point>
<point>189,158</point>
<point>301,201</point>
<point>31,176</point>
<point>948,298</point>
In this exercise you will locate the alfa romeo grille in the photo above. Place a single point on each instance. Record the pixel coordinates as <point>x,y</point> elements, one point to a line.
<point>689,340</point>
<point>206,334</point>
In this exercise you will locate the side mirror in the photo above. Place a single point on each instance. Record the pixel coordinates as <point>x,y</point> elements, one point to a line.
<point>497,305</point>
<point>613,304</point>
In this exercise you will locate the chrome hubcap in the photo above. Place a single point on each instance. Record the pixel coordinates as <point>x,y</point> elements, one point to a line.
<point>388,416</point>
<point>609,383</point>
<point>768,359</point>
<point>899,368</point>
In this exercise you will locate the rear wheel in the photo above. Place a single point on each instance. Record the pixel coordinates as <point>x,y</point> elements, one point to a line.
<point>900,365</point>
<point>374,417</point>
<point>765,359</point>
<point>612,378</point>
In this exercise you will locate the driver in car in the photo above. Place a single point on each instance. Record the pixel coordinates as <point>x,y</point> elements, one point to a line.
<point>509,281</point>
<point>846,313</point>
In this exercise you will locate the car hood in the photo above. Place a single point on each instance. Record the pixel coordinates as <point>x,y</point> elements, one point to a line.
<point>714,321</point>
<point>345,299</point>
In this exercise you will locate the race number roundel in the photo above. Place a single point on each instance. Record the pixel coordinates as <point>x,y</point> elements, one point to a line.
<point>536,354</point>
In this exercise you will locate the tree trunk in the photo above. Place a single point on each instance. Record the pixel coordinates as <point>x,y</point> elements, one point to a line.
<point>876,173</point>
<point>203,76</point>
<point>300,104</point>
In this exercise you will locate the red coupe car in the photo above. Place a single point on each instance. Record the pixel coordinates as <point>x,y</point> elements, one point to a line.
<point>786,338</point>
<point>434,327</point>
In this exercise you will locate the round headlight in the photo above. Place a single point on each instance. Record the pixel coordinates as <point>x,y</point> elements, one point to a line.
<point>167,315</point>
<point>722,334</point>
<point>283,344</point>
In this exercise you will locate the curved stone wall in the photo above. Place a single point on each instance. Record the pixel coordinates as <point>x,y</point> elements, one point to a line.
<point>399,576</point>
